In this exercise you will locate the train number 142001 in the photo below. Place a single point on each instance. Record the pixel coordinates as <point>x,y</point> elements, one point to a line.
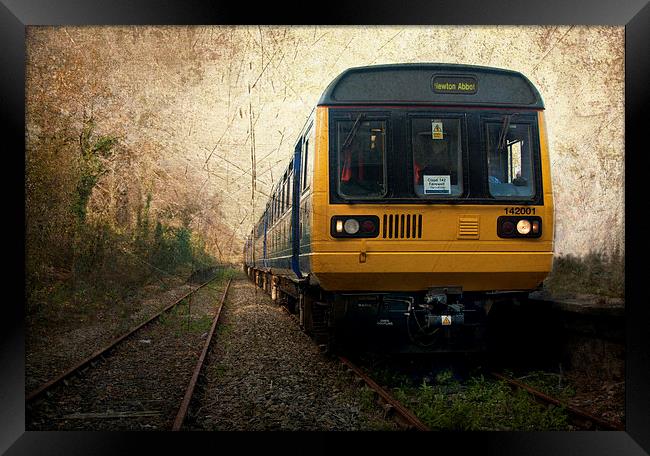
<point>520,210</point>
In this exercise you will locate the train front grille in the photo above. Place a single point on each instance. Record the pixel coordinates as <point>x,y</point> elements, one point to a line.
<point>402,226</point>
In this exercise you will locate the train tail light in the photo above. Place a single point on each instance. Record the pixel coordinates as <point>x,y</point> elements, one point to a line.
<point>368,226</point>
<point>508,227</point>
<point>535,227</point>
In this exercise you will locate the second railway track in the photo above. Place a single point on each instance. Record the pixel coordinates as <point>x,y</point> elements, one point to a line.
<point>142,382</point>
<point>580,418</point>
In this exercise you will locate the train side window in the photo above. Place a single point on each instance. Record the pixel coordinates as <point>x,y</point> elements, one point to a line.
<point>311,157</point>
<point>290,190</point>
<point>509,156</point>
<point>284,195</point>
<point>307,162</point>
<point>304,164</point>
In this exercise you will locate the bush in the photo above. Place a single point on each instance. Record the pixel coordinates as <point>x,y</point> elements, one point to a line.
<point>595,273</point>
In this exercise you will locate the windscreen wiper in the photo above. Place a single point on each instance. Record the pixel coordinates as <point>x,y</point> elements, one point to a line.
<point>501,142</point>
<point>353,132</point>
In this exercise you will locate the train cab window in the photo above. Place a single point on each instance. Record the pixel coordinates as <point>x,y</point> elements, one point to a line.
<point>510,167</point>
<point>361,158</point>
<point>437,157</point>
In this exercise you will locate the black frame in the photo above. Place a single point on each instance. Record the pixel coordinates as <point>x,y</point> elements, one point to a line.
<point>634,14</point>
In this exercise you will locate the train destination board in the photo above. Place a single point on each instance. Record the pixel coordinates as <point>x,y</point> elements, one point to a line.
<point>455,84</point>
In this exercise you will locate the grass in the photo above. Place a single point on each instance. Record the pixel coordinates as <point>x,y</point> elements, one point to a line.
<point>219,371</point>
<point>478,404</point>
<point>177,320</point>
<point>367,397</point>
<point>177,317</point>
<point>223,329</point>
<point>549,383</point>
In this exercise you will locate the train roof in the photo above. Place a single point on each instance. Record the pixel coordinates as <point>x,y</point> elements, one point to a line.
<point>432,83</point>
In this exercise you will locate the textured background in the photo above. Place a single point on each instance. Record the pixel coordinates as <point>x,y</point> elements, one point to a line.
<point>190,104</point>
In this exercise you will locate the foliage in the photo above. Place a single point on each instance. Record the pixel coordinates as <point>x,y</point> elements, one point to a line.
<point>367,398</point>
<point>550,383</point>
<point>595,273</point>
<point>93,148</point>
<point>78,252</point>
<point>478,404</point>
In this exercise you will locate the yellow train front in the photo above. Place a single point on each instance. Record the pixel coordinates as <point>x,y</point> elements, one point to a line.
<point>418,196</point>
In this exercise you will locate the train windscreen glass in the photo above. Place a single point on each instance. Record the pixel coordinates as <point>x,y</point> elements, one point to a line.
<point>362,158</point>
<point>437,158</point>
<point>510,167</point>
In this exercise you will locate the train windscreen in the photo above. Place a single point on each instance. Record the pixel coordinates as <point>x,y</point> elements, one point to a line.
<point>362,158</point>
<point>509,157</point>
<point>437,157</point>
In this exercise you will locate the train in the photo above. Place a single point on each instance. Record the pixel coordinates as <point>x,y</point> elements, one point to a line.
<point>418,197</point>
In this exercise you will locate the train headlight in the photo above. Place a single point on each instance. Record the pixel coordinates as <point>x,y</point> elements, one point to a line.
<point>351,226</point>
<point>523,227</point>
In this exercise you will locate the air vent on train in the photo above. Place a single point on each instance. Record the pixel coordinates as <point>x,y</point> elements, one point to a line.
<point>402,226</point>
<point>468,227</point>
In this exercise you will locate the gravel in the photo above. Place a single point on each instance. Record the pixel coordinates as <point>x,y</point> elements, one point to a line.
<point>264,373</point>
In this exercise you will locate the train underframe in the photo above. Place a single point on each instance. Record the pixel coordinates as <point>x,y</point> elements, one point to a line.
<point>440,319</point>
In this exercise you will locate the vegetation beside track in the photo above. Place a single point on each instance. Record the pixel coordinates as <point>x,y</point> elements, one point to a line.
<point>595,273</point>
<point>475,403</point>
<point>98,228</point>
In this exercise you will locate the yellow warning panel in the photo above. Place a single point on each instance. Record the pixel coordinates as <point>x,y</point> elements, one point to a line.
<point>436,129</point>
<point>446,320</point>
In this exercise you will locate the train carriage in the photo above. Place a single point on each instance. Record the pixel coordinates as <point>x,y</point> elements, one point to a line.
<point>418,195</point>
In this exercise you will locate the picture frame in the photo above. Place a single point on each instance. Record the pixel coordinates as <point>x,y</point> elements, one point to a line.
<point>15,15</point>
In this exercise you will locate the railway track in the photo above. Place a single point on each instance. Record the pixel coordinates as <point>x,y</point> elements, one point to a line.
<point>579,418</point>
<point>90,361</point>
<point>187,397</point>
<point>392,407</point>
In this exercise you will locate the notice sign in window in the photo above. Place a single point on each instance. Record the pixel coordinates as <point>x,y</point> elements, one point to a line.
<point>436,185</point>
